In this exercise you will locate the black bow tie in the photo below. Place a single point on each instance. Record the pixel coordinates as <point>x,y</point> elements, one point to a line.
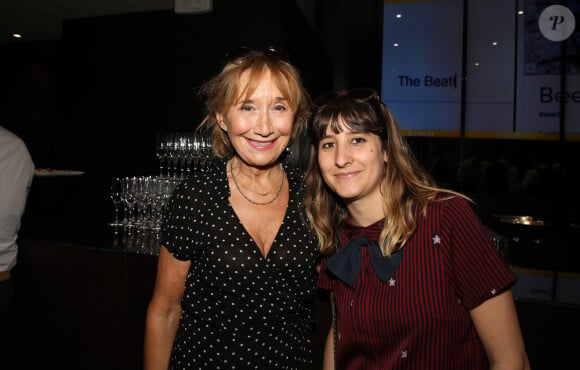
<point>346,264</point>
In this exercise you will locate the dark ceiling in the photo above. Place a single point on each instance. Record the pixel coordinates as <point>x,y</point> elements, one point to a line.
<point>41,20</point>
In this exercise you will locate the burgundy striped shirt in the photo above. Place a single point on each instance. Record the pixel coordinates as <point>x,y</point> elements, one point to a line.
<point>419,319</point>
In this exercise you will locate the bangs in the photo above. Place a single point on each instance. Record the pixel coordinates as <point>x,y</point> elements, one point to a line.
<point>281,79</point>
<point>341,114</point>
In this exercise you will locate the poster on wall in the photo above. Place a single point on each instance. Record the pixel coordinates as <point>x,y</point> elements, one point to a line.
<point>549,80</point>
<point>422,56</point>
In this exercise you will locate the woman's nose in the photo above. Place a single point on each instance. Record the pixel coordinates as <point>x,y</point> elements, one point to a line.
<point>343,156</point>
<point>264,125</point>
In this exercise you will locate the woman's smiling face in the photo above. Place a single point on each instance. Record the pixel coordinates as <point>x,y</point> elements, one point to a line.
<point>352,164</point>
<point>259,126</point>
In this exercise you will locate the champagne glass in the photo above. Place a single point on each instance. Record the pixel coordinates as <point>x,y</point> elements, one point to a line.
<point>182,154</point>
<point>116,196</point>
<point>174,154</point>
<point>189,153</point>
<point>195,151</point>
<point>128,196</point>
<point>161,152</point>
<point>208,150</point>
<point>205,152</point>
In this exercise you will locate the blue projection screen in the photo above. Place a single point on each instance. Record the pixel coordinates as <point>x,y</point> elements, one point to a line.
<point>514,74</point>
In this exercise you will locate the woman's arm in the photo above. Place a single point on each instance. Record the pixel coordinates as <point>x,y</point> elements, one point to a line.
<point>496,322</point>
<point>164,311</point>
<point>328,359</point>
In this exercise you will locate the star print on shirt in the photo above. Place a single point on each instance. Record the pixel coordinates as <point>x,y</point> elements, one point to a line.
<point>436,239</point>
<point>404,354</point>
<point>493,291</point>
<point>392,282</point>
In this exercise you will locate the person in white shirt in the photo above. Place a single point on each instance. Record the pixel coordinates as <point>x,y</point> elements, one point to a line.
<point>16,173</point>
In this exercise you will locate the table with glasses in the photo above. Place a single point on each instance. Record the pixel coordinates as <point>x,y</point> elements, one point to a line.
<point>139,201</point>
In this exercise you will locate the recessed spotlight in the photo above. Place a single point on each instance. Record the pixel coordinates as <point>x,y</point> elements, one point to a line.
<point>16,35</point>
<point>396,44</point>
<point>520,12</point>
<point>476,64</point>
<point>398,15</point>
<point>495,43</point>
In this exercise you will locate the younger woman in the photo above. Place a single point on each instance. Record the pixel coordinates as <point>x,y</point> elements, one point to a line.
<point>416,281</point>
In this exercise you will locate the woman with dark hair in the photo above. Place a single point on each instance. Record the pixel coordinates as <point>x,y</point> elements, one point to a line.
<point>415,280</point>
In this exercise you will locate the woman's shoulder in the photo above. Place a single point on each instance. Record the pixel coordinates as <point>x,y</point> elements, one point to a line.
<point>454,208</point>
<point>458,202</point>
<point>214,172</point>
<point>445,204</point>
<point>295,174</point>
<point>211,179</point>
<point>447,198</point>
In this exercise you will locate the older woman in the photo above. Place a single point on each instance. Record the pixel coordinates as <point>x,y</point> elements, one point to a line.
<point>236,269</point>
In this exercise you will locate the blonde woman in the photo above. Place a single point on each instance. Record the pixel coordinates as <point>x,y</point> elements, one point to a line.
<point>236,269</point>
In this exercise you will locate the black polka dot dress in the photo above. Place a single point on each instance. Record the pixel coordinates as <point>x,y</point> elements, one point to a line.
<point>240,310</point>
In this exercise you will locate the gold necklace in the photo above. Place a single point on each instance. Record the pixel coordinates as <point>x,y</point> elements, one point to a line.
<point>245,196</point>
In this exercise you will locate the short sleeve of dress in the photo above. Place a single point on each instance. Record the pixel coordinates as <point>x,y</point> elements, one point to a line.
<point>476,269</point>
<point>180,231</point>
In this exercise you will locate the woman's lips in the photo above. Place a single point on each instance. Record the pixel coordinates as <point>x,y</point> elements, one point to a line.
<point>262,145</point>
<point>346,175</point>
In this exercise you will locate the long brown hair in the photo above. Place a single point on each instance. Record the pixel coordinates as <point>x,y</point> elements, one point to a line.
<point>223,91</point>
<point>406,184</point>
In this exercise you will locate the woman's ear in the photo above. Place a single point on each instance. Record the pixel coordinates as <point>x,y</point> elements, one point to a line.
<point>221,121</point>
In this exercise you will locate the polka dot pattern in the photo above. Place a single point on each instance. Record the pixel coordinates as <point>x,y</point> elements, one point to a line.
<point>240,310</point>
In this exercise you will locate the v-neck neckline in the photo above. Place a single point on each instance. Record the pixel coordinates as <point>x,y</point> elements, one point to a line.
<point>264,256</point>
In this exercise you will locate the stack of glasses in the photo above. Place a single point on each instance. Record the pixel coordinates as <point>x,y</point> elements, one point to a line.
<point>181,153</point>
<point>139,201</point>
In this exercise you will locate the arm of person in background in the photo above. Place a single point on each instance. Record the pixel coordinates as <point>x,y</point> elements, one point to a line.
<point>496,322</point>
<point>164,311</point>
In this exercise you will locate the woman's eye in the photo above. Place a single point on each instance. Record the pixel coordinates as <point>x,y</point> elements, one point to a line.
<point>358,140</point>
<point>280,107</point>
<point>326,145</point>
<point>246,106</point>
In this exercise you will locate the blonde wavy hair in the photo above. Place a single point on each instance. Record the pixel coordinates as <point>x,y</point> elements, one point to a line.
<point>406,185</point>
<point>223,91</point>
